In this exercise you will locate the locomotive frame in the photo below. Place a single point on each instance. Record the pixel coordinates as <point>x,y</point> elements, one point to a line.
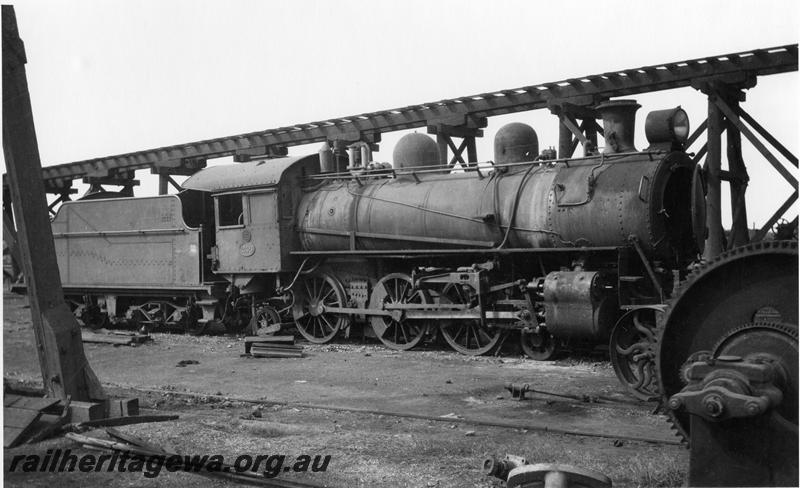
<point>560,248</point>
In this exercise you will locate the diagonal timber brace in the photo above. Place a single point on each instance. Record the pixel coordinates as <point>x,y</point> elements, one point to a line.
<point>734,118</point>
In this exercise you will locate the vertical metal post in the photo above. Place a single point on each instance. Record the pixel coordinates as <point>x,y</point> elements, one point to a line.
<point>65,370</point>
<point>714,197</point>
<point>738,183</point>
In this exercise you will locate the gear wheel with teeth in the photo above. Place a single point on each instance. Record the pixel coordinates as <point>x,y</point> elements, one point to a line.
<point>723,345</point>
<point>748,285</point>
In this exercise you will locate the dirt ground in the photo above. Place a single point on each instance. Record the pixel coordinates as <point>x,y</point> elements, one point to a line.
<point>459,410</point>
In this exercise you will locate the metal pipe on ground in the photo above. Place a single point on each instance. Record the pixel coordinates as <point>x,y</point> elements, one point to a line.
<point>488,423</point>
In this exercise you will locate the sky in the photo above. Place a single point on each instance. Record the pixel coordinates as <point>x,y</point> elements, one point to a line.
<point>109,77</point>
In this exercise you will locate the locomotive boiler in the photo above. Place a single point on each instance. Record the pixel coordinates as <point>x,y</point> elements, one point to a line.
<point>603,200</point>
<point>548,251</point>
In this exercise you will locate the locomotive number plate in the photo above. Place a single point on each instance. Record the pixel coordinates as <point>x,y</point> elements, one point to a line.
<point>247,249</point>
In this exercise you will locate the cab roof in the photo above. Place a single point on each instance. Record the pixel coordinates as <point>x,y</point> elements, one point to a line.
<point>236,176</point>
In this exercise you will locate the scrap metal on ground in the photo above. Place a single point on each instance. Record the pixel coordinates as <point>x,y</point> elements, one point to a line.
<point>271,346</point>
<point>517,472</point>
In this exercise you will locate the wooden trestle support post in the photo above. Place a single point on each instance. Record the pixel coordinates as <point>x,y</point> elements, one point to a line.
<point>726,115</point>
<point>65,370</point>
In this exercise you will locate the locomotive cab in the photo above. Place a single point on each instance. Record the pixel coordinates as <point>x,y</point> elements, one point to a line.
<point>253,205</point>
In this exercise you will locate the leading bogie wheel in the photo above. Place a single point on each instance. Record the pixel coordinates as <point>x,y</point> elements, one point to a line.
<point>310,310</point>
<point>397,333</point>
<point>467,336</point>
<point>539,346</point>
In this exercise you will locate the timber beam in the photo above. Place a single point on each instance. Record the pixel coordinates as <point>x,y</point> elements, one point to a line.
<point>183,167</point>
<point>65,370</point>
<point>62,197</point>
<point>10,242</point>
<point>268,152</point>
<point>117,178</point>
<point>461,126</point>
<point>164,181</point>
<point>726,116</point>
<point>339,142</point>
<point>626,82</point>
<point>571,132</point>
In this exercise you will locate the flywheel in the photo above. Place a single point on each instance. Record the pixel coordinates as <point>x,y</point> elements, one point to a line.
<point>740,304</point>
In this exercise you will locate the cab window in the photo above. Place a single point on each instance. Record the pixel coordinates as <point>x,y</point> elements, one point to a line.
<point>230,210</point>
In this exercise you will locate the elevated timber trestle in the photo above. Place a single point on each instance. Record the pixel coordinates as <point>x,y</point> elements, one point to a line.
<point>721,78</point>
<point>460,116</point>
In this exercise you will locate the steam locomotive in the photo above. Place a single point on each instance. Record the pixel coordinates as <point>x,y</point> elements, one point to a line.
<point>548,250</point>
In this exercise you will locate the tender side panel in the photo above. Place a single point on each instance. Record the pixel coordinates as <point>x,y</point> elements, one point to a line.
<point>141,242</point>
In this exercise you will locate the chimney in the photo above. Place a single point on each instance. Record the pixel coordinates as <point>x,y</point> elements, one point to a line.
<point>619,122</point>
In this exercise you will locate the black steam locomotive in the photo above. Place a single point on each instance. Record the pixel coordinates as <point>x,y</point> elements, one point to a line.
<point>550,250</point>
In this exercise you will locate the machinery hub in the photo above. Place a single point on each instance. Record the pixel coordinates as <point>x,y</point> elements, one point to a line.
<point>730,330</point>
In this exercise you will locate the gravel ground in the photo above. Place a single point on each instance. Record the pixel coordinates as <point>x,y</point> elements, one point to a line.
<point>367,449</point>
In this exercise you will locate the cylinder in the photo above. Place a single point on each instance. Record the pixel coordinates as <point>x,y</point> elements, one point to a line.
<point>577,305</point>
<point>619,122</point>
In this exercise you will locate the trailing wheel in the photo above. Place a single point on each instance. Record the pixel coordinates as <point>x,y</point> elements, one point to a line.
<point>396,331</point>
<point>313,321</point>
<point>540,346</point>
<point>467,336</point>
<point>265,322</point>
<point>632,351</point>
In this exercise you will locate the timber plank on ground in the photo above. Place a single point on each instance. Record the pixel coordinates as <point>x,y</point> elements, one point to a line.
<point>17,422</point>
